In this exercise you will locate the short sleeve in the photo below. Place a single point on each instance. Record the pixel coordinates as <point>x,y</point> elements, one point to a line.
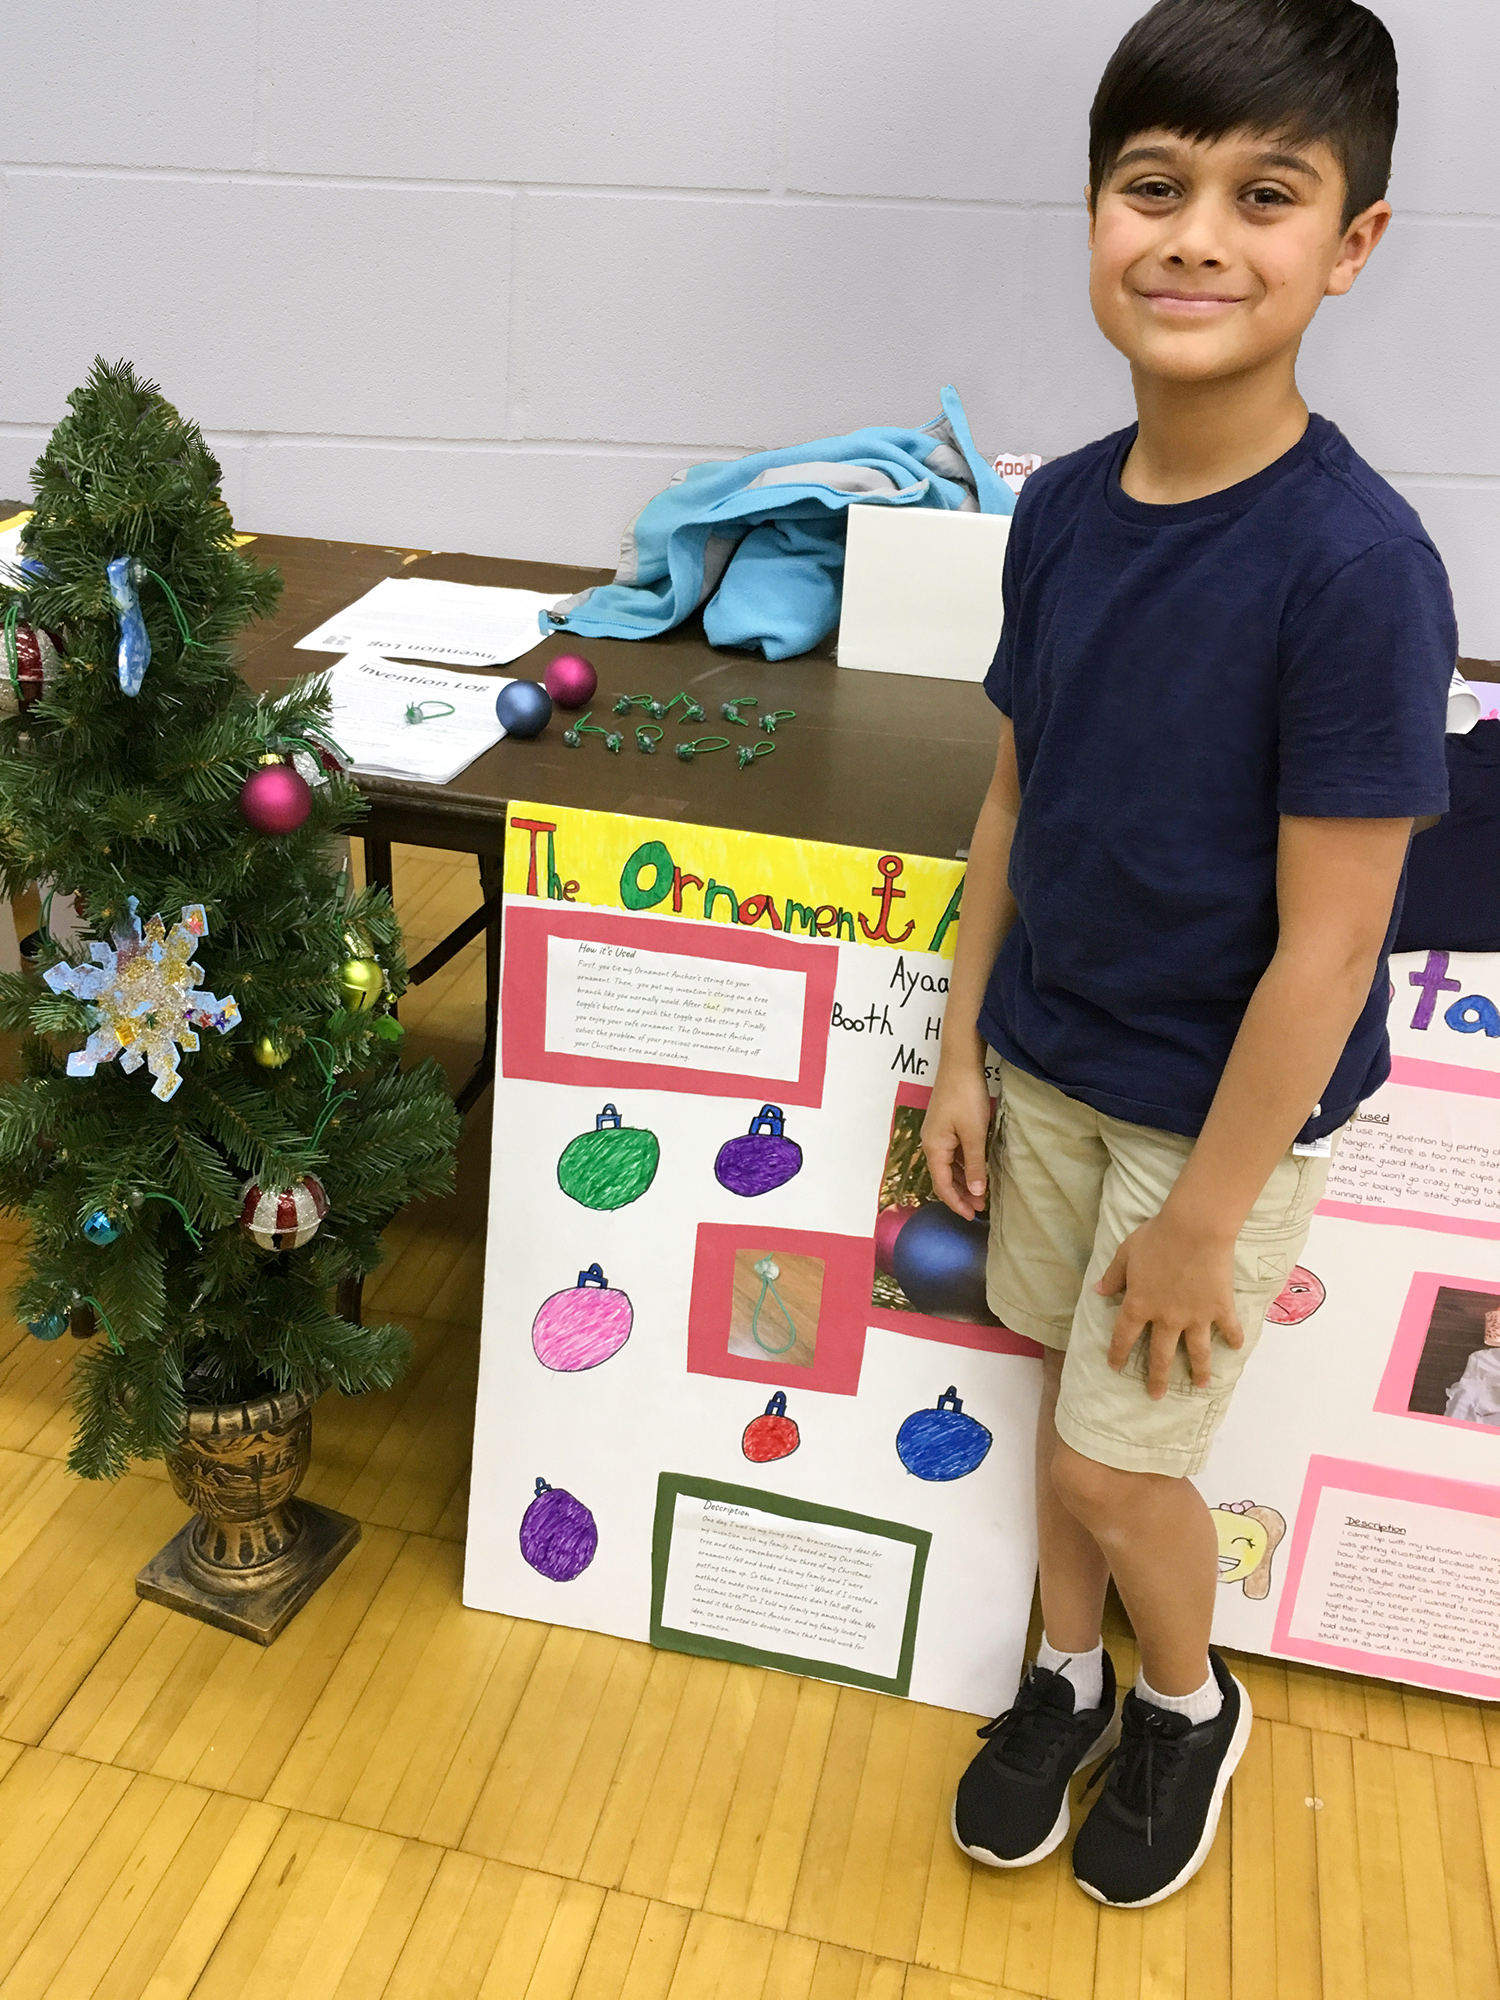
<point>999,682</point>
<point>1364,673</point>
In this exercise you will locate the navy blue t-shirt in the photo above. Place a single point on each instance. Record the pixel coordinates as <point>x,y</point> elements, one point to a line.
<point>1178,677</point>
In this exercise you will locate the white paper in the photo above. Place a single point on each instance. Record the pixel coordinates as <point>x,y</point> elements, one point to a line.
<point>418,617</point>
<point>622,1004</point>
<point>814,1592</point>
<point>370,698</point>
<point>1404,1579</point>
<point>922,592</point>
<point>1428,1152</point>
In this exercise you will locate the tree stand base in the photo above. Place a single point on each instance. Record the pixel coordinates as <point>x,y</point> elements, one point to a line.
<point>260,1613</point>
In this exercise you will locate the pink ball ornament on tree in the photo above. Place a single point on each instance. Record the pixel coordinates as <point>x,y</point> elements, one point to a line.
<point>275,799</point>
<point>570,680</point>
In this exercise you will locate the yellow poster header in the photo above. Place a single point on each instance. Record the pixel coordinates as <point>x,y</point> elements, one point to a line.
<point>812,888</point>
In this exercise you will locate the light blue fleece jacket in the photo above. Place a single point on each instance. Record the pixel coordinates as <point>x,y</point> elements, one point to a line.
<point>758,542</point>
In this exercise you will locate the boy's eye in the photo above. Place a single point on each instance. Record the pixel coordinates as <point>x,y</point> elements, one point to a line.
<point>1153,190</point>
<point>1268,197</point>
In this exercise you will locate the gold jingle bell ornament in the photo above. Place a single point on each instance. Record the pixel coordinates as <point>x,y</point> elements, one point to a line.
<point>361,983</point>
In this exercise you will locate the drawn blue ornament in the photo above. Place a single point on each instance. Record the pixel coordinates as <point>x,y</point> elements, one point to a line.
<point>944,1442</point>
<point>126,574</point>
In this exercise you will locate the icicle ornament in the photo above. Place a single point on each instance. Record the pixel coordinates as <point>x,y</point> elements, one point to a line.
<point>126,574</point>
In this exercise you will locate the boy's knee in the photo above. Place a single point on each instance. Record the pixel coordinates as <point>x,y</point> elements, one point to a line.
<point>1100,1496</point>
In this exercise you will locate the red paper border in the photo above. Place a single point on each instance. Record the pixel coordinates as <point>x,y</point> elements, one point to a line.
<point>523,1001</point>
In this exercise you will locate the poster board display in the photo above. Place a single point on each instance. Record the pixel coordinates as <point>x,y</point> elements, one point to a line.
<point>709,1413</point>
<point>1356,1481</point>
<point>716,1050</point>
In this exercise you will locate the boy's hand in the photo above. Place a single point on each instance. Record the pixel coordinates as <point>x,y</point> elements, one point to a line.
<point>1180,1282</point>
<point>955,1134</point>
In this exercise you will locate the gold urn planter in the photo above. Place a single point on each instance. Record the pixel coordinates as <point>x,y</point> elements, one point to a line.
<point>253,1554</point>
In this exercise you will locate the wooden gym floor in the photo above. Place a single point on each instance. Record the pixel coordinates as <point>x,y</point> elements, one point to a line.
<point>404,1800</point>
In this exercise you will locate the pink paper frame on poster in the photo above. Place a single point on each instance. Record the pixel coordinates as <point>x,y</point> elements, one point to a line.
<point>1376,1483</point>
<point>1393,1397</point>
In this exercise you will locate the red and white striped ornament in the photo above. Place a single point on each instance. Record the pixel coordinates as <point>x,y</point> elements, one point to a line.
<point>283,1221</point>
<point>38,662</point>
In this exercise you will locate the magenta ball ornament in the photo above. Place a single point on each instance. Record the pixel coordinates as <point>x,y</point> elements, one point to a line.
<point>523,708</point>
<point>275,799</point>
<point>888,1226</point>
<point>570,680</point>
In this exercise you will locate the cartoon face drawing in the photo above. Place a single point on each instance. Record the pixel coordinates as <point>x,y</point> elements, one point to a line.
<point>1248,1539</point>
<point>1298,1299</point>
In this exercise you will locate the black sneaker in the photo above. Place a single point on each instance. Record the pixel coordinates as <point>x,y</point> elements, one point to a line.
<point>1154,1822</point>
<point>1011,1807</point>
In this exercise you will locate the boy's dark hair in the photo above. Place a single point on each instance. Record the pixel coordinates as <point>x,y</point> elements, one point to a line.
<point>1302,70</point>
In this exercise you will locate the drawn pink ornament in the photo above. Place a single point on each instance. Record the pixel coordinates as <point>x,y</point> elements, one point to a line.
<point>582,1326</point>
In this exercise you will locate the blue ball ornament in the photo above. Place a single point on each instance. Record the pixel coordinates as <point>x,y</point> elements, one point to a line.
<point>944,1442</point>
<point>938,1260</point>
<point>524,708</point>
<point>100,1228</point>
<point>51,1326</point>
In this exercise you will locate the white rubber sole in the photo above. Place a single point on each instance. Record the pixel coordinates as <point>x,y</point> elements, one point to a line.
<point>1199,1854</point>
<point>1060,1825</point>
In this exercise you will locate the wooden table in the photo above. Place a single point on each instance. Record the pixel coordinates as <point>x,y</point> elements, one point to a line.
<point>872,760</point>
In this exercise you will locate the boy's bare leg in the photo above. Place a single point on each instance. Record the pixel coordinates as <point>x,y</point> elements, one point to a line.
<point>1159,1544</point>
<point>1074,1573</point>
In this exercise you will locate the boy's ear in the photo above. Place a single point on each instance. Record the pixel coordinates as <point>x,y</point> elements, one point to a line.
<point>1088,202</point>
<point>1360,238</point>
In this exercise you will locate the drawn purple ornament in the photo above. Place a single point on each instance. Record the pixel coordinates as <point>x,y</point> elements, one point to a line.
<point>760,1159</point>
<point>558,1534</point>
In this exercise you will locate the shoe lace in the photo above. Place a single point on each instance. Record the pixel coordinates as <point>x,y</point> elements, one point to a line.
<point>1142,1768</point>
<point>1030,1735</point>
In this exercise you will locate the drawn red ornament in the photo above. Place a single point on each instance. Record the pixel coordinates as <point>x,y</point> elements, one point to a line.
<point>772,1435</point>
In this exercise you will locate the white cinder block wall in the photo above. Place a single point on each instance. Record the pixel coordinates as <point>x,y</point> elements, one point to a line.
<point>481,275</point>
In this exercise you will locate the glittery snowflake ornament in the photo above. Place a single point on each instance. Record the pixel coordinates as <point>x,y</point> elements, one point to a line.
<point>142,997</point>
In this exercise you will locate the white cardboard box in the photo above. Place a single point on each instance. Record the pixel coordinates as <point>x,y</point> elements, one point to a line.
<point>922,592</point>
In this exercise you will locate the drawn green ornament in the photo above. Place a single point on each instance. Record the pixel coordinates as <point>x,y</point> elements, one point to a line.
<point>611,1166</point>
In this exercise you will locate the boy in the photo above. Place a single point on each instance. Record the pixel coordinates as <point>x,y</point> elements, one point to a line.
<point>1222,675</point>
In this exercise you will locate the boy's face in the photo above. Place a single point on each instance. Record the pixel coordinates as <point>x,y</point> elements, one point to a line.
<point>1209,257</point>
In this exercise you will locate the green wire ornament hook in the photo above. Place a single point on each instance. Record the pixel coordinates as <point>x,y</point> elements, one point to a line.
<point>768,1271</point>
<point>142,1197</point>
<point>178,614</point>
<point>700,746</point>
<point>748,752</point>
<point>647,736</point>
<point>88,1299</point>
<point>730,710</point>
<point>768,722</point>
<point>428,711</point>
<point>12,650</point>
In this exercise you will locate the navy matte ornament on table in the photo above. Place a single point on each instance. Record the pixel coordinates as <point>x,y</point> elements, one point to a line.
<point>558,1534</point>
<point>938,1260</point>
<point>523,708</point>
<point>944,1442</point>
<point>761,1159</point>
<point>100,1228</point>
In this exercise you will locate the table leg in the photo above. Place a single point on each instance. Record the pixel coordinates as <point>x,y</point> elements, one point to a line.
<point>491,880</point>
<point>378,863</point>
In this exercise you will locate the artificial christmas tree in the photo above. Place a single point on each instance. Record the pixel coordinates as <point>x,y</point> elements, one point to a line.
<point>199,1169</point>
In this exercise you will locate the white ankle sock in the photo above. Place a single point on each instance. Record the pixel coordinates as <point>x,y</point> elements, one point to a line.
<point>1202,1705</point>
<point>1084,1670</point>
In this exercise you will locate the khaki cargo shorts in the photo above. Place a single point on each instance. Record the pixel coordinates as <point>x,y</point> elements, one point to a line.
<point>1067,1186</point>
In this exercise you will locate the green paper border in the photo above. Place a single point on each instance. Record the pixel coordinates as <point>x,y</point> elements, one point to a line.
<point>670,1484</point>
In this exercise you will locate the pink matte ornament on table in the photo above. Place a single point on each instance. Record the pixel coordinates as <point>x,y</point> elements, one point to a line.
<point>275,799</point>
<point>570,680</point>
